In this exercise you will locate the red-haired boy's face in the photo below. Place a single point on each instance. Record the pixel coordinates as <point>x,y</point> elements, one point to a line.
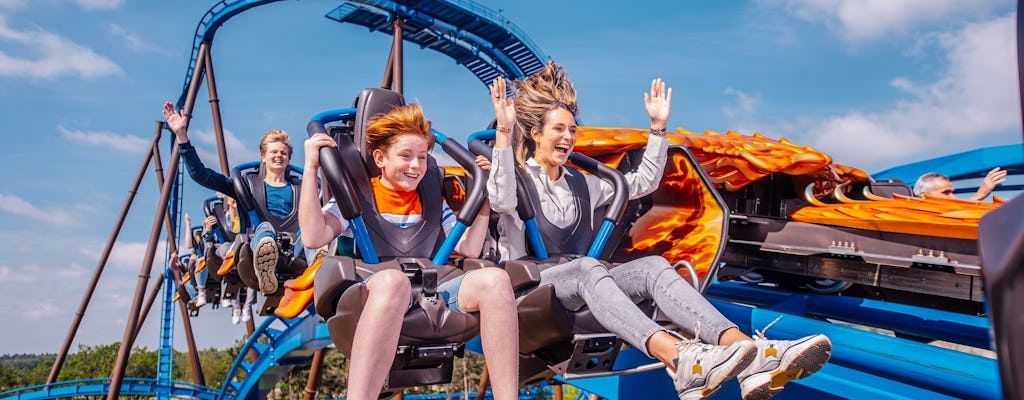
<point>403,163</point>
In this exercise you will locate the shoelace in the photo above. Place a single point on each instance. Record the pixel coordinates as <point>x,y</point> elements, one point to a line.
<point>759,334</point>
<point>683,342</point>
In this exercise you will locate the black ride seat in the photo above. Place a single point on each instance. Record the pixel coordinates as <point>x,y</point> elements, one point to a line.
<point>231,282</point>
<point>432,334</point>
<point>571,343</point>
<point>247,179</point>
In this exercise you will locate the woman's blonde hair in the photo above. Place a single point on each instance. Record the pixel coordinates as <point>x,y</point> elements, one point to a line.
<point>536,95</point>
<point>383,129</point>
<point>275,135</point>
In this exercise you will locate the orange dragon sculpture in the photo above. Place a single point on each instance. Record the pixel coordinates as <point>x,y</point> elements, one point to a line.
<point>685,222</point>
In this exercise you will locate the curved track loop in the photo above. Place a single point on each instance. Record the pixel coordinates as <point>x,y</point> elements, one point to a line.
<point>100,387</point>
<point>279,345</point>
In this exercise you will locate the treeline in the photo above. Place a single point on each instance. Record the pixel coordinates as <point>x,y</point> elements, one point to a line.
<point>22,370</point>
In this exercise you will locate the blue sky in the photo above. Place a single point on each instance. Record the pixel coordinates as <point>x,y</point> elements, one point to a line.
<point>875,83</point>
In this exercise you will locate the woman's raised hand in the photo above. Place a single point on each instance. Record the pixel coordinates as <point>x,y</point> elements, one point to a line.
<point>658,103</point>
<point>504,107</point>
<point>312,149</point>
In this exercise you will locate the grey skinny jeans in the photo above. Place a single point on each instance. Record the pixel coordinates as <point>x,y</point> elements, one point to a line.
<point>612,297</point>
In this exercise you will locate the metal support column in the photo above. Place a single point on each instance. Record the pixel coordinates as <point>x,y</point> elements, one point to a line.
<point>313,382</point>
<point>58,363</point>
<point>117,375</point>
<point>396,50</point>
<point>165,360</point>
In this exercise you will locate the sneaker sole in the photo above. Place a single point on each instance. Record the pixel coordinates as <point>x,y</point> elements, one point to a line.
<point>794,365</point>
<point>740,359</point>
<point>266,266</point>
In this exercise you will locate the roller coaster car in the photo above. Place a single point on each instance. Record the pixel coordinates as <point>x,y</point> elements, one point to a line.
<point>868,237</point>
<point>432,334</point>
<point>553,339</point>
<point>215,206</point>
<point>247,179</point>
<point>191,269</point>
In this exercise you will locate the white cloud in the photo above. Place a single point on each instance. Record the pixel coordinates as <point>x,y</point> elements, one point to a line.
<point>858,20</point>
<point>7,275</point>
<point>85,4</point>
<point>31,310</point>
<point>98,4</point>
<point>745,103</point>
<point>38,273</point>
<point>974,100</point>
<point>129,255</point>
<point>133,41</point>
<point>12,4</point>
<point>55,216</point>
<point>75,270</point>
<point>237,151</point>
<point>42,309</point>
<point>125,143</point>
<point>57,56</point>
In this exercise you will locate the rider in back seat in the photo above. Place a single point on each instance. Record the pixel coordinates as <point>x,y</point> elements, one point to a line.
<point>275,155</point>
<point>542,117</point>
<point>399,142</point>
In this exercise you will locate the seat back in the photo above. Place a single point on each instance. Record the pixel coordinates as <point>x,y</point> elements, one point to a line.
<point>248,182</point>
<point>216,207</point>
<point>431,333</point>
<point>578,238</point>
<point>570,343</point>
<point>574,238</point>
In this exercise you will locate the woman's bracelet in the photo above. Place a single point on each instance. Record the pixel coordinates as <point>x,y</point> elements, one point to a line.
<point>658,132</point>
<point>503,129</point>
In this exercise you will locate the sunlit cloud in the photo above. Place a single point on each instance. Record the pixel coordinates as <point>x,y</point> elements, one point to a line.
<point>133,41</point>
<point>56,56</point>
<point>238,151</point>
<point>99,4</point>
<point>969,105</point>
<point>129,255</point>
<point>125,143</point>
<point>745,103</point>
<point>9,275</point>
<point>859,20</point>
<point>11,4</point>
<point>59,217</point>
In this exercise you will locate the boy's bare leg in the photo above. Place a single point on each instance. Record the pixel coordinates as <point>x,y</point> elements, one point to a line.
<point>376,338</point>
<point>489,291</point>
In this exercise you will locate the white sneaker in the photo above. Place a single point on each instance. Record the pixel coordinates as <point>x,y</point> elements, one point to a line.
<point>779,361</point>
<point>701,368</point>
<point>201,298</point>
<point>246,314</point>
<point>236,315</point>
<point>226,303</point>
<point>266,264</point>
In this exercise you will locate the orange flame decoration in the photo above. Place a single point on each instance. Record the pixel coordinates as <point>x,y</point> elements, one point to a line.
<point>684,224</point>
<point>930,216</point>
<point>732,160</point>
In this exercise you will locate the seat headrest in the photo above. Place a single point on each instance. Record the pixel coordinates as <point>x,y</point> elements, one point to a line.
<point>372,101</point>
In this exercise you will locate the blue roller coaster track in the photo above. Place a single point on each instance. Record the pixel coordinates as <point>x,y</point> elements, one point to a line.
<point>476,37</point>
